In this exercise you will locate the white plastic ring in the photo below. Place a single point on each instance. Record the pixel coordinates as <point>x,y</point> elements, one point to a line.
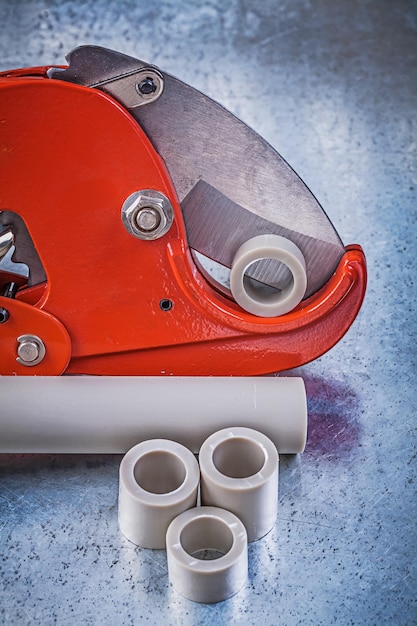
<point>239,471</point>
<point>257,301</point>
<point>207,554</point>
<point>158,481</point>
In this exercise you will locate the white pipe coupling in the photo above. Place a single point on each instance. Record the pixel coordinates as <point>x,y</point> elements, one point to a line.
<point>158,481</point>
<point>207,554</point>
<point>256,300</point>
<point>239,472</point>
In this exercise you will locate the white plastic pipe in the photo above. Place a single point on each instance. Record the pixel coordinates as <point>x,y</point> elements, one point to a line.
<point>111,414</point>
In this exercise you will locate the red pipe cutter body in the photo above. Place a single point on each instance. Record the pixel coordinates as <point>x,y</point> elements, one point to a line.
<point>107,302</point>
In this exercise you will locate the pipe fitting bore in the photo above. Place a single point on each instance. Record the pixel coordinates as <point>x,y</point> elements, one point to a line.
<point>207,554</point>
<point>158,481</point>
<point>239,472</point>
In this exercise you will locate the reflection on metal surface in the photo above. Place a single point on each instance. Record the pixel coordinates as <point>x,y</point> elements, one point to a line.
<point>335,429</point>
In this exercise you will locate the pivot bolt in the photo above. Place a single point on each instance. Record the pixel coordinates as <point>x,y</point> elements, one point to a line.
<point>147,219</point>
<point>147,214</point>
<point>30,350</point>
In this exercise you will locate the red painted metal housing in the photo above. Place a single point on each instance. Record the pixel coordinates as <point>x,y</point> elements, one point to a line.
<point>69,157</point>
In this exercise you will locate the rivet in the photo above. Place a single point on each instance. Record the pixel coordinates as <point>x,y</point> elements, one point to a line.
<point>30,351</point>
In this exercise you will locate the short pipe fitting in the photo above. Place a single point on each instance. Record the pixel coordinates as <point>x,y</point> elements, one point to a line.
<point>158,481</point>
<point>239,472</point>
<point>278,249</point>
<point>207,554</point>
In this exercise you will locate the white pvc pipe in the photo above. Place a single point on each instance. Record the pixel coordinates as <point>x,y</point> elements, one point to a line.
<point>111,414</point>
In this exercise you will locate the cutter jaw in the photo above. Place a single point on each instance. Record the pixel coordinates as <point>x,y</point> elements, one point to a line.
<point>110,302</point>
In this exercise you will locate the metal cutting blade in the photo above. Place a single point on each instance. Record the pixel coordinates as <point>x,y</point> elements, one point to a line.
<point>232,185</point>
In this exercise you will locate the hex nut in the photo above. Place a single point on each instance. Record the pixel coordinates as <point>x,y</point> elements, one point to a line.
<point>147,214</point>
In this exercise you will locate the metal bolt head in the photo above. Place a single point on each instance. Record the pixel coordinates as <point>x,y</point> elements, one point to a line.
<point>30,350</point>
<point>147,86</point>
<point>147,214</point>
<point>147,219</point>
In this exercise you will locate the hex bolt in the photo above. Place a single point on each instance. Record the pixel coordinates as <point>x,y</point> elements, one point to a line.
<point>147,219</point>
<point>30,351</point>
<point>147,214</point>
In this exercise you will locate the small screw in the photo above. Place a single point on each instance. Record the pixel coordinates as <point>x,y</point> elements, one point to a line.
<point>166,305</point>
<point>28,351</point>
<point>4,315</point>
<point>147,86</point>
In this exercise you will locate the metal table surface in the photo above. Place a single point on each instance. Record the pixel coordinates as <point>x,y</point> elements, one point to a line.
<point>333,86</point>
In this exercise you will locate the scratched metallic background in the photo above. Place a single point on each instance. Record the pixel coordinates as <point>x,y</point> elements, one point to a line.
<point>332,84</point>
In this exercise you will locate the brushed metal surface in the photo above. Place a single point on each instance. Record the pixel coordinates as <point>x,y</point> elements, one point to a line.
<point>333,84</point>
